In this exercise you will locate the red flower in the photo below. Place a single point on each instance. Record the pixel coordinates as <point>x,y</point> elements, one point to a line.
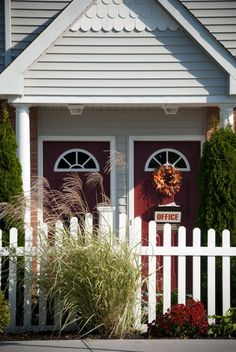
<point>181,320</point>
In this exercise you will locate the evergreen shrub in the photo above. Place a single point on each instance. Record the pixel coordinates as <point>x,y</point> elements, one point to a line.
<point>217,205</point>
<point>10,169</point>
<point>4,312</point>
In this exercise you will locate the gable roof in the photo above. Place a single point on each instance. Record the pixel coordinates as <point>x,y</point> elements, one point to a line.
<point>14,73</point>
<point>219,17</point>
<point>27,19</point>
<point>11,77</point>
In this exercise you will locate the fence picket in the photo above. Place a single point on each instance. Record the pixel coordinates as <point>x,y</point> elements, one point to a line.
<point>152,267</point>
<point>13,276</point>
<point>225,273</point>
<point>197,265</point>
<point>182,266</point>
<point>167,269</point>
<point>74,227</point>
<point>211,275</point>
<point>43,231</point>
<point>88,225</point>
<point>135,243</point>
<point>27,278</point>
<point>59,231</point>
<point>58,236</point>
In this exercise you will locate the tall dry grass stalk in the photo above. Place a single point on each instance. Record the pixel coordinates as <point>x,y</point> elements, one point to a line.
<point>56,204</point>
<point>115,160</point>
<point>68,202</point>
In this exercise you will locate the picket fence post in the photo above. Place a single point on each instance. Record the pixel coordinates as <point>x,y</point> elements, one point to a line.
<point>106,220</point>
<point>167,269</point>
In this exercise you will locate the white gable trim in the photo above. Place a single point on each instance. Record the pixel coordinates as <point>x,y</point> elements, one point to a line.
<point>204,38</point>
<point>11,80</point>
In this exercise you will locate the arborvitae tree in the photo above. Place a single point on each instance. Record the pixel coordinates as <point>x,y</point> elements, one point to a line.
<point>10,169</point>
<point>217,186</point>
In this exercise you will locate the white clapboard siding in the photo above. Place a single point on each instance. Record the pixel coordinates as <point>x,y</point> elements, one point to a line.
<point>82,75</point>
<point>29,19</point>
<point>124,64</point>
<point>129,91</point>
<point>126,57</point>
<point>219,17</point>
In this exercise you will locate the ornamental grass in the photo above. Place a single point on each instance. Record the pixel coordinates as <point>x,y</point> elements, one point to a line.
<point>93,283</point>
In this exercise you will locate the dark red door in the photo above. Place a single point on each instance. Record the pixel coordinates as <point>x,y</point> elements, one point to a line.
<point>147,156</point>
<point>62,157</point>
<point>186,155</point>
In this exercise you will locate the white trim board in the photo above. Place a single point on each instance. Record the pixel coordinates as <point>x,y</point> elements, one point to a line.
<point>110,139</point>
<point>162,138</point>
<point>129,100</point>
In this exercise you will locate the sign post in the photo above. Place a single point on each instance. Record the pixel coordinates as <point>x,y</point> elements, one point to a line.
<point>173,215</point>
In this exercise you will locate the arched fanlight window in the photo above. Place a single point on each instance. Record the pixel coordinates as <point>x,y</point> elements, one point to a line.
<point>167,156</point>
<point>79,160</point>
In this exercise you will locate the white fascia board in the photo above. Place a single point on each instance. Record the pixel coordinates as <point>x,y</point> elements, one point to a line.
<point>11,79</point>
<point>117,100</point>
<point>203,37</point>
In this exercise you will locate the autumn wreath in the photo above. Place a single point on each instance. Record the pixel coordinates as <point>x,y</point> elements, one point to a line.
<point>167,180</point>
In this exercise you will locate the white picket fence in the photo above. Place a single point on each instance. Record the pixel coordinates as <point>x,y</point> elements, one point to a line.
<point>133,230</point>
<point>182,251</point>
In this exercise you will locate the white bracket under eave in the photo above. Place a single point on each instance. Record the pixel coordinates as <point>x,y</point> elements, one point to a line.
<point>76,109</point>
<point>170,109</point>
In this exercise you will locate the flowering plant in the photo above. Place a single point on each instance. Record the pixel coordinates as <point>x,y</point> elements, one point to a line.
<point>167,180</point>
<point>181,320</point>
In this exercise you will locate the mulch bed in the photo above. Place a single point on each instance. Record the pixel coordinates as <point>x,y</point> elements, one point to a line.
<point>37,336</point>
<point>55,336</point>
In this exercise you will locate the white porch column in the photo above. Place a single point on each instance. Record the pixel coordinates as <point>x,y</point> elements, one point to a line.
<point>226,116</point>
<point>23,140</point>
